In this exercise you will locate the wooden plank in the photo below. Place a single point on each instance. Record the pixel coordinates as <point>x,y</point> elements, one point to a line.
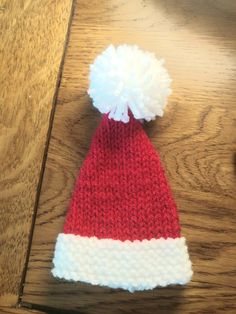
<point>19,310</point>
<point>195,140</point>
<point>31,48</point>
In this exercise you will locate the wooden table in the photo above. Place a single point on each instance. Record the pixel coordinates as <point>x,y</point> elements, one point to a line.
<point>195,139</point>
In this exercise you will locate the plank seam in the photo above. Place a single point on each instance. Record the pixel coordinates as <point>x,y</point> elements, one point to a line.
<point>44,160</point>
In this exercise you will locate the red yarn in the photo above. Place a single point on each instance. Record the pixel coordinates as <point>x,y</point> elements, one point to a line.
<point>122,192</point>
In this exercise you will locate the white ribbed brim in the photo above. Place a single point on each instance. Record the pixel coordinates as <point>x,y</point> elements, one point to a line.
<point>131,265</point>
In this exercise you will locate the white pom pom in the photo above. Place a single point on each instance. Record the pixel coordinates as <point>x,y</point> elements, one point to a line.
<point>126,78</point>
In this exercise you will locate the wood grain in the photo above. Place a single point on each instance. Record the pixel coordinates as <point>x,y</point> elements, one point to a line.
<point>32,43</point>
<point>19,310</point>
<point>196,141</point>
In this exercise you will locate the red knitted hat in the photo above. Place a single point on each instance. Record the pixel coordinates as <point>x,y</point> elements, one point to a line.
<point>122,228</point>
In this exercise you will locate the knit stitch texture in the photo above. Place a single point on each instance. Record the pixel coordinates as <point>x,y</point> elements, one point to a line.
<point>131,265</point>
<point>122,192</point>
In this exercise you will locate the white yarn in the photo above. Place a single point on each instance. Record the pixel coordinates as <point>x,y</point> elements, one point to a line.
<point>137,265</point>
<point>125,77</point>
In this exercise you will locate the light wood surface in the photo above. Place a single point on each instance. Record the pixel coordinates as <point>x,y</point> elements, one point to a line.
<point>31,48</point>
<point>196,141</point>
<point>19,310</point>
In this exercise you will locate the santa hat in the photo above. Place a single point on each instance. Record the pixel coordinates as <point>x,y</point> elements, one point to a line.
<point>122,228</point>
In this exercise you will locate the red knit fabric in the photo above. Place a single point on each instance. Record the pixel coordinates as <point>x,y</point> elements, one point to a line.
<point>121,191</point>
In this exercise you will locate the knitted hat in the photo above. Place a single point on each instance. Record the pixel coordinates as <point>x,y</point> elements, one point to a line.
<point>122,228</point>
